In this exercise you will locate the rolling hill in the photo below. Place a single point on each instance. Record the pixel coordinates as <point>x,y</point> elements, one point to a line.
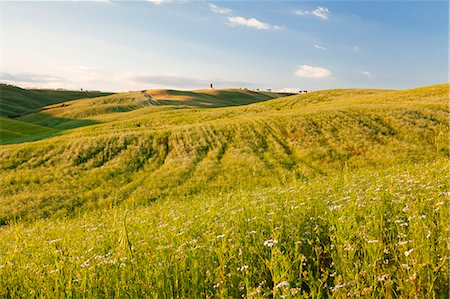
<point>334,193</point>
<point>97,107</point>
<point>152,154</point>
<point>69,114</point>
<point>16,101</point>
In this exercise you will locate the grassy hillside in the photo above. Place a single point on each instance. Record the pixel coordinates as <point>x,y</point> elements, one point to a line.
<point>333,193</point>
<point>182,152</point>
<point>98,108</point>
<point>89,111</point>
<point>11,129</point>
<point>212,98</point>
<point>15,101</point>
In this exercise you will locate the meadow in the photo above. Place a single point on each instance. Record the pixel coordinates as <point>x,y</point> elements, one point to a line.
<point>338,193</point>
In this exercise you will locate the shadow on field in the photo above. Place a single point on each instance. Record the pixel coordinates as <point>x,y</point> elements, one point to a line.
<point>37,127</point>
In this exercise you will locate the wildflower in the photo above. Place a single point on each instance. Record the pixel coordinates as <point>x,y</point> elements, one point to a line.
<point>270,242</point>
<point>406,266</point>
<point>220,236</point>
<point>245,267</point>
<point>384,277</point>
<point>372,241</point>
<point>337,287</point>
<point>348,247</point>
<point>408,252</point>
<point>282,284</point>
<point>336,207</point>
<point>294,291</point>
<point>429,234</point>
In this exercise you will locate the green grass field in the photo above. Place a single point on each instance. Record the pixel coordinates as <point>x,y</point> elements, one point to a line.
<point>94,108</point>
<point>16,101</point>
<point>338,193</point>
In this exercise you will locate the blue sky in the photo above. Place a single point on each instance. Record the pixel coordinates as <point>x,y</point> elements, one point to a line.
<point>121,46</point>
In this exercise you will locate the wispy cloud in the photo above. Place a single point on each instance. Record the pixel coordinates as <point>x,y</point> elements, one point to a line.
<point>67,76</point>
<point>355,49</point>
<point>320,12</point>
<point>104,1</point>
<point>28,78</point>
<point>320,47</point>
<point>308,71</point>
<point>220,10</point>
<point>367,74</point>
<point>158,2</point>
<point>172,81</point>
<point>75,77</point>
<point>252,22</point>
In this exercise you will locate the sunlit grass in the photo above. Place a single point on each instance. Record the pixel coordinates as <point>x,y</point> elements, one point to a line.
<point>365,233</point>
<point>337,193</point>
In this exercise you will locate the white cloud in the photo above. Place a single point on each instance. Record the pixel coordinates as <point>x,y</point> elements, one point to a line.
<point>252,22</point>
<point>150,80</point>
<point>220,10</point>
<point>320,12</point>
<point>66,76</point>
<point>28,78</point>
<point>355,49</point>
<point>158,2</point>
<point>367,74</point>
<point>308,71</point>
<point>320,47</point>
<point>86,77</point>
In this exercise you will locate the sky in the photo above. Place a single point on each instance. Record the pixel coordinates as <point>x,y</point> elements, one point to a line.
<point>282,45</point>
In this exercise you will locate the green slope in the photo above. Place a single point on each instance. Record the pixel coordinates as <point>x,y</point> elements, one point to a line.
<point>211,98</point>
<point>101,108</point>
<point>89,111</point>
<point>19,131</point>
<point>181,152</point>
<point>15,101</point>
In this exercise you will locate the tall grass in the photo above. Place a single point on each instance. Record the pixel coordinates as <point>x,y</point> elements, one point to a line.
<point>337,193</point>
<point>381,234</point>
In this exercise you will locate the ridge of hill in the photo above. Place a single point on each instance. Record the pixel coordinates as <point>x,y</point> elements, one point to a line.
<point>122,102</point>
<point>88,111</point>
<point>16,101</point>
